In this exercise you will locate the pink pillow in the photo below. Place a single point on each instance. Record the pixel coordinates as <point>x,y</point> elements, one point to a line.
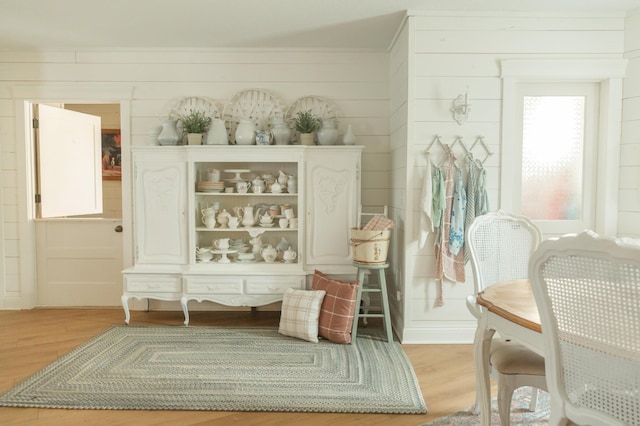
<point>338,307</point>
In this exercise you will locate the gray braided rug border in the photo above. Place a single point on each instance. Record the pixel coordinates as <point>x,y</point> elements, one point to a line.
<point>223,369</point>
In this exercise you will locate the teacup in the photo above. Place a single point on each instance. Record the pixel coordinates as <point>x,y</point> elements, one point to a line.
<point>208,212</point>
<point>221,244</point>
<point>204,256</point>
<point>289,213</point>
<point>283,223</point>
<point>209,221</point>
<point>293,223</point>
<point>242,187</point>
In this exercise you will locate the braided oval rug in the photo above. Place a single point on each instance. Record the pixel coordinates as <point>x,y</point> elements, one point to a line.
<point>223,369</point>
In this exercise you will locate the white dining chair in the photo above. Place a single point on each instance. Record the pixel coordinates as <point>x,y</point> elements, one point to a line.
<point>587,289</point>
<point>500,245</point>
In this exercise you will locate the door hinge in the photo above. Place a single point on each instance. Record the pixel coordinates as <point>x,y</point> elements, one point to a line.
<point>35,123</point>
<point>38,198</point>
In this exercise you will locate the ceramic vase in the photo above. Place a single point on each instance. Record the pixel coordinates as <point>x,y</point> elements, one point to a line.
<point>349,138</point>
<point>245,133</point>
<point>328,133</point>
<point>281,132</point>
<point>169,133</point>
<point>217,133</point>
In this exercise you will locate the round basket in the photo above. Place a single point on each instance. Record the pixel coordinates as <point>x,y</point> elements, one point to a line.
<point>370,247</point>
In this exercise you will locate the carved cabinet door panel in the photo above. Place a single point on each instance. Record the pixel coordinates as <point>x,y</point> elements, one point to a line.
<point>160,205</point>
<point>332,192</point>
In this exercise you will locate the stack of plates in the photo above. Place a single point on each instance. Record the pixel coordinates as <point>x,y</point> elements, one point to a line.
<point>208,186</point>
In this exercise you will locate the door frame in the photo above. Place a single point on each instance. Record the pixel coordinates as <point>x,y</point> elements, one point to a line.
<point>24,97</point>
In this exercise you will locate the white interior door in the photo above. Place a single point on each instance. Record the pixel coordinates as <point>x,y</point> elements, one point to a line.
<point>79,262</point>
<point>78,259</point>
<point>70,168</point>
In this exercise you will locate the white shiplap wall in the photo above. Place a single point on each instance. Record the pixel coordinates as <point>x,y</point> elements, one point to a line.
<point>450,54</point>
<point>629,204</point>
<point>355,80</point>
<point>400,114</point>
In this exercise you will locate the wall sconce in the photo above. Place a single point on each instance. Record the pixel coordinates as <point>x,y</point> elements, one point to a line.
<point>460,108</point>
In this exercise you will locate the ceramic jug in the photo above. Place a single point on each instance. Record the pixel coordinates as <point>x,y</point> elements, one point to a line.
<point>289,255</point>
<point>292,184</point>
<point>264,138</point>
<point>246,133</point>
<point>169,133</point>
<point>328,133</point>
<point>269,253</point>
<point>281,132</point>
<point>217,134</point>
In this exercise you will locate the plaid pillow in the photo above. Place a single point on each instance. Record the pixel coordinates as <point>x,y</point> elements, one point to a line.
<point>338,307</point>
<point>299,315</point>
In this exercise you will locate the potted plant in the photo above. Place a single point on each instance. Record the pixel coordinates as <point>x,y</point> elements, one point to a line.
<point>194,125</point>
<point>306,124</point>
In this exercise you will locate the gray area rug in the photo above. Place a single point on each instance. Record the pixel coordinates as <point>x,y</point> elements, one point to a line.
<point>224,369</point>
<point>520,414</point>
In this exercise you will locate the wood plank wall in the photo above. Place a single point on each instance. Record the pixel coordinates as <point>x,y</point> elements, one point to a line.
<point>356,81</point>
<point>629,197</point>
<point>448,55</point>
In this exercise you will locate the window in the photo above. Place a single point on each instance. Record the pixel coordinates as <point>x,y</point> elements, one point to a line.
<point>560,143</point>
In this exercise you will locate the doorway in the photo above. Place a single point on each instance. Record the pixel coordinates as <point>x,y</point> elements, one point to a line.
<point>79,258</point>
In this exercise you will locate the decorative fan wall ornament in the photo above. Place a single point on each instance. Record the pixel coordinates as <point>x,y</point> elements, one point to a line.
<point>319,106</point>
<point>256,105</point>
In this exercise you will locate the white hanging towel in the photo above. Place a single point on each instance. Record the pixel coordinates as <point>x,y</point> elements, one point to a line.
<point>426,205</point>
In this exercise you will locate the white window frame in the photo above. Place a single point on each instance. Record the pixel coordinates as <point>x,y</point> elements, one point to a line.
<point>609,74</point>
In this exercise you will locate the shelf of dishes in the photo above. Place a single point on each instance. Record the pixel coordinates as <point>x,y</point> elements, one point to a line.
<point>261,215</point>
<point>254,250</point>
<point>209,181</point>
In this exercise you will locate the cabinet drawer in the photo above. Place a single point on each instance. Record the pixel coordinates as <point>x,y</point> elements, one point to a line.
<point>273,285</point>
<point>153,283</point>
<point>213,285</point>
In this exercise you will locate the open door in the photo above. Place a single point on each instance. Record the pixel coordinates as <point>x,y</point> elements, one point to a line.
<point>69,151</point>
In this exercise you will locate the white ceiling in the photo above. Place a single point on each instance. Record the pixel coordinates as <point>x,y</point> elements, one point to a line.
<point>368,24</point>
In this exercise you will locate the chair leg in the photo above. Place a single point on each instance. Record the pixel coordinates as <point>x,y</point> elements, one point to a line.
<point>505,394</point>
<point>533,402</point>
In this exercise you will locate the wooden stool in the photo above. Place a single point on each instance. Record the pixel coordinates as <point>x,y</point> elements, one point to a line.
<point>384,298</point>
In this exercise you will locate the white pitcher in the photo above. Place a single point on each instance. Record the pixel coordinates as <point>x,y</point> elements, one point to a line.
<point>217,134</point>
<point>246,133</point>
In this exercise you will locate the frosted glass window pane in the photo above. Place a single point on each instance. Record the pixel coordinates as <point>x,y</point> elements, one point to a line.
<point>552,157</point>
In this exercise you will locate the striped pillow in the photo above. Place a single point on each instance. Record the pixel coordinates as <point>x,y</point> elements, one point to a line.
<point>338,307</point>
<point>300,312</point>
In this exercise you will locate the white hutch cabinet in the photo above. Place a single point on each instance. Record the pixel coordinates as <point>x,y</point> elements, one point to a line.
<point>168,226</point>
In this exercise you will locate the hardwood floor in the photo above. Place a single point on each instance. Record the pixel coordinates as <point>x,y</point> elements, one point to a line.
<point>32,339</point>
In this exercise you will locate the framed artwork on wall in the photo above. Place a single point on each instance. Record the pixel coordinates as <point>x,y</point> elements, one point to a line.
<point>111,154</point>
